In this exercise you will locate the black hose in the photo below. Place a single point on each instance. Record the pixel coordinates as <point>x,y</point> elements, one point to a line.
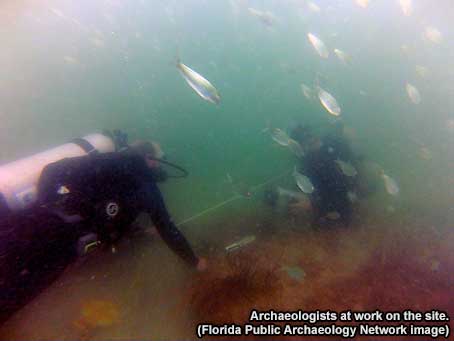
<point>181,169</point>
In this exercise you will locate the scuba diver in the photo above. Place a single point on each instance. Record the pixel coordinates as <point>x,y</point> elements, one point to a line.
<point>75,203</point>
<point>334,191</point>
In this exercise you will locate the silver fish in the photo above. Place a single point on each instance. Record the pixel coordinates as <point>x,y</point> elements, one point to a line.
<point>329,102</point>
<point>346,168</point>
<point>433,34</point>
<point>199,84</point>
<point>303,182</point>
<point>239,244</point>
<point>313,7</point>
<point>390,185</point>
<point>296,148</point>
<point>413,93</point>
<point>267,18</point>
<point>343,56</point>
<point>307,91</point>
<point>422,71</point>
<point>318,45</point>
<point>406,6</point>
<point>280,137</point>
<point>298,196</point>
<point>362,3</point>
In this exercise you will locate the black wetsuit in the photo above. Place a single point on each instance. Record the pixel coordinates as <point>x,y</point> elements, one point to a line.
<point>109,191</point>
<point>331,185</point>
<point>35,247</point>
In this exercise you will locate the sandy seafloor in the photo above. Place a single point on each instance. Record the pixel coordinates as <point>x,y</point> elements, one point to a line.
<point>389,262</point>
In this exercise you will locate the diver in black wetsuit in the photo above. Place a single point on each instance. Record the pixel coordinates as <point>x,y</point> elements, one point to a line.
<point>99,194</point>
<point>108,191</point>
<point>331,186</point>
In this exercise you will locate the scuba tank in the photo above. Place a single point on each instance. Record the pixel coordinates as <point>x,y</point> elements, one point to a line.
<point>18,179</point>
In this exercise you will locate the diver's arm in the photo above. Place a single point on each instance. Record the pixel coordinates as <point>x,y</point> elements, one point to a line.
<point>176,241</point>
<point>166,228</point>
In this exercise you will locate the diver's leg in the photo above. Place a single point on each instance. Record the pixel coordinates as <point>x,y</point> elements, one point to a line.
<point>320,209</point>
<point>35,247</point>
<point>344,208</point>
<point>271,197</point>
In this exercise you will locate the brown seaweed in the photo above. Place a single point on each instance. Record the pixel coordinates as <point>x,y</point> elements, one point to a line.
<point>243,281</point>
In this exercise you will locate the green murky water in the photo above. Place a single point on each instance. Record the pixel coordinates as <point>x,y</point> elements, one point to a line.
<point>70,68</point>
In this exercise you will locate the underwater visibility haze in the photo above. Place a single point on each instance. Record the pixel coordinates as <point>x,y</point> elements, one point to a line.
<point>222,86</point>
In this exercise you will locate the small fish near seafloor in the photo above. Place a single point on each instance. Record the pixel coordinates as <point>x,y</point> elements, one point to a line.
<point>280,136</point>
<point>199,84</point>
<point>390,184</point>
<point>303,182</point>
<point>346,168</point>
<point>240,243</point>
<point>298,196</point>
<point>296,148</point>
